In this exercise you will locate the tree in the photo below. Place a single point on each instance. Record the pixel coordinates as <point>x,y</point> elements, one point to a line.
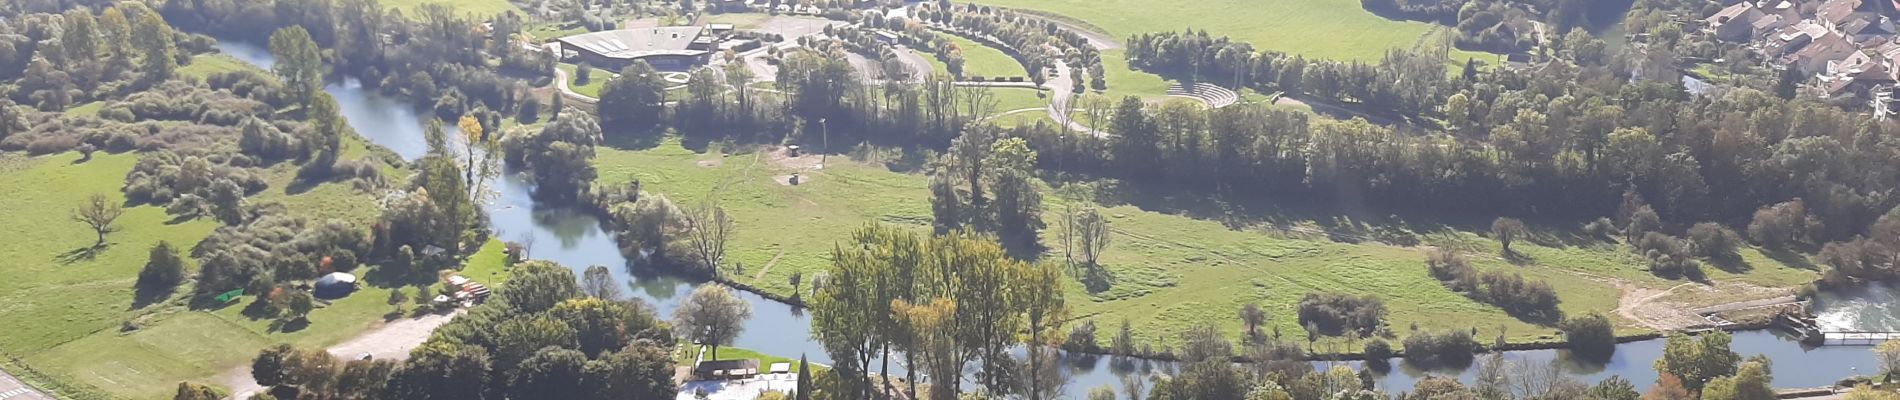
<point>164,269</point>
<point>1252,315</point>
<point>1378,351</point>
<point>363,379</point>
<point>803,391</point>
<point>193,391</point>
<point>635,372</point>
<point>1643,220</point>
<point>559,156</point>
<point>1889,355</point>
<point>268,368</point>
<point>299,63</point>
<point>1750,382</point>
<point>1668,387</point>
<point>712,316</point>
<point>1506,229</point>
<point>99,213</point>
<point>538,286</point>
<point>1104,392</point>
<point>397,298</point>
<point>154,36</point>
<point>1042,302</point>
<point>297,303</point>
<point>1017,209</point>
<point>633,101</point>
<point>1781,225</point>
<point>441,371</point>
<point>1591,335</point>
<point>1712,240</point>
<point>1614,388</point>
<point>1092,235</point>
<point>709,227</point>
<point>1698,360</point>
<point>598,282</point>
<point>552,372</point>
<point>583,73</point>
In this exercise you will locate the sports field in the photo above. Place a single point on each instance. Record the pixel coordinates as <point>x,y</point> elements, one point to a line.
<point>1333,29</point>
<point>479,8</point>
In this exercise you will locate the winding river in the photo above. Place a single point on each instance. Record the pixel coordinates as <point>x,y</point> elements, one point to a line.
<point>576,239</point>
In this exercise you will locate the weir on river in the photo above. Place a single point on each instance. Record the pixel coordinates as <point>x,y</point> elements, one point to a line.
<point>576,239</point>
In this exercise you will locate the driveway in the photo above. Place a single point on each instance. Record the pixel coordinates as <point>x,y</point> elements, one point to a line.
<point>12,389</point>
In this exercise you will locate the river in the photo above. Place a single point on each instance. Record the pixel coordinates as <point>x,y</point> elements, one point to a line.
<point>577,240</point>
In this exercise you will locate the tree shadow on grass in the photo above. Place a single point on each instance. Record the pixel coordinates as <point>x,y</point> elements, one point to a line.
<point>1731,263</point>
<point>87,253</point>
<point>631,141</point>
<point>1790,258</point>
<point>208,302</point>
<point>289,326</point>
<point>144,296</point>
<point>1095,278</point>
<point>1518,258</point>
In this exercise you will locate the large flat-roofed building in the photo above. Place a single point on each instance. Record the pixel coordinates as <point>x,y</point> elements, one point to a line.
<point>674,46</point>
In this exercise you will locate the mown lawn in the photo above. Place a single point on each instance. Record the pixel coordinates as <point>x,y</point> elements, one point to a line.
<point>978,60</point>
<point>1170,270</point>
<point>1332,29</point>
<point>479,8</point>
<point>826,207</point>
<point>597,79</point>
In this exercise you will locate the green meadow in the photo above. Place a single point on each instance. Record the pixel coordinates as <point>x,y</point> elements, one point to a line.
<point>1333,29</point>
<point>1170,270</point>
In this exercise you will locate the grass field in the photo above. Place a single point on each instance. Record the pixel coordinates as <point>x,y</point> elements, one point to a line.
<point>1170,270</point>
<point>978,60</point>
<point>1333,29</point>
<point>597,79</point>
<point>479,8</point>
<point>66,308</point>
<point>203,65</point>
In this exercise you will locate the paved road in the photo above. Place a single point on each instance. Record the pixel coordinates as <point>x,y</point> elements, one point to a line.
<point>12,389</point>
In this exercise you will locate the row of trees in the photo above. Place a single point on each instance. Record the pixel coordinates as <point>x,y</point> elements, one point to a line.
<point>1582,129</point>
<point>423,55</point>
<point>941,303</point>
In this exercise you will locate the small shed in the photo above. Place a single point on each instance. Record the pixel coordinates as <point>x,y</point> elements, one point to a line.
<point>336,285</point>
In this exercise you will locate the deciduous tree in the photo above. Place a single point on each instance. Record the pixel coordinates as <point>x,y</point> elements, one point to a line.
<point>712,316</point>
<point>99,213</point>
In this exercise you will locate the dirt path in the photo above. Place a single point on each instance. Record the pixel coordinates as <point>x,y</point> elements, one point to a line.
<point>391,341</point>
<point>1639,304</point>
<point>768,265</point>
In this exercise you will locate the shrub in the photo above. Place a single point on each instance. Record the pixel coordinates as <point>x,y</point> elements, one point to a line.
<point>1526,299</point>
<point>1709,239</point>
<point>1590,335</point>
<point>1378,349</point>
<point>1082,337</point>
<point>1668,256</point>
<point>1454,347</point>
<point>1782,225</point>
<point>1336,313</point>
